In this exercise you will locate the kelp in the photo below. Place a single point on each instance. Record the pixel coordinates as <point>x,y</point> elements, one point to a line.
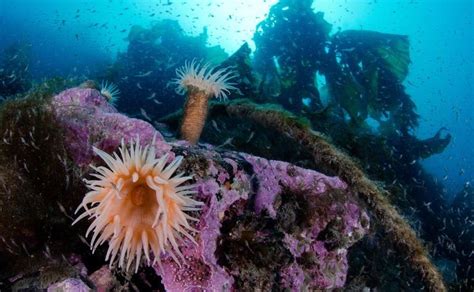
<point>428,147</point>
<point>366,72</point>
<point>290,48</point>
<point>348,93</point>
<point>389,51</point>
<point>240,63</point>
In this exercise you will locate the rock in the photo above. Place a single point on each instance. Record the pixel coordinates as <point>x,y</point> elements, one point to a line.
<point>89,120</point>
<point>268,223</point>
<point>103,279</point>
<point>265,224</point>
<point>69,285</point>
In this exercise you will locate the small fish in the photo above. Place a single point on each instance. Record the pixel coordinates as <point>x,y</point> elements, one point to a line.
<point>144,114</point>
<point>48,251</point>
<point>139,85</point>
<point>84,240</point>
<point>14,242</point>
<point>25,249</point>
<point>163,129</point>
<point>63,210</point>
<point>144,75</point>
<point>415,180</point>
<point>26,167</point>
<point>227,142</point>
<point>348,50</point>
<point>157,101</point>
<point>428,206</point>
<point>214,125</point>
<point>63,160</point>
<point>250,137</point>
<point>16,278</point>
<point>152,96</point>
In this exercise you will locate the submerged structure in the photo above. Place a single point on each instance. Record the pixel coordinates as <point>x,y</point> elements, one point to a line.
<point>265,209</point>
<point>294,224</point>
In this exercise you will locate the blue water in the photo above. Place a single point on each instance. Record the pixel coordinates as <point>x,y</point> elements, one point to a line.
<point>72,37</point>
<point>80,40</point>
<point>441,76</point>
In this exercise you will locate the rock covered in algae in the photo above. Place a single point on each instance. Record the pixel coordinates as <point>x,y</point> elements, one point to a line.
<point>89,120</point>
<point>265,224</point>
<point>70,284</point>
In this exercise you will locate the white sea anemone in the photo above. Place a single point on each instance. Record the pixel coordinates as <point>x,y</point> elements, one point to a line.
<point>110,91</point>
<point>206,78</point>
<point>137,205</point>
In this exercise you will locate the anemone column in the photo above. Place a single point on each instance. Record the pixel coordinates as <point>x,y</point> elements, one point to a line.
<point>201,83</point>
<point>195,114</point>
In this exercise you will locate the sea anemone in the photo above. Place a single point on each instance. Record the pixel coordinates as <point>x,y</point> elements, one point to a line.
<point>138,205</point>
<point>110,91</point>
<point>200,83</point>
<point>205,78</point>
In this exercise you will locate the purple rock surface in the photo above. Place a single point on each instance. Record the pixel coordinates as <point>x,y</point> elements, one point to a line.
<point>89,120</point>
<point>265,223</point>
<point>103,279</point>
<point>71,284</point>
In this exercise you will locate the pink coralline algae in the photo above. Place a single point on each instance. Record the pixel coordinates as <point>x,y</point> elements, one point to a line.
<point>89,120</point>
<point>265,224</point>
<point>70,284</point>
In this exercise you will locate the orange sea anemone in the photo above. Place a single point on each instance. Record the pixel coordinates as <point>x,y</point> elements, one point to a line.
<point>138,205</point>
<point>205,78</point>
<point>200,83</point>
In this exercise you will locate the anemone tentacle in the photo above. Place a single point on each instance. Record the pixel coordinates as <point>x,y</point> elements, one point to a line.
<point>215,82</point>
<point>137,205</point>
<point>110,91</point>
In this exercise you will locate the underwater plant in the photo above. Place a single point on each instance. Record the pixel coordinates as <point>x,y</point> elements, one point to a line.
<point>363,71</point>
<point>38,186</point>
<point>200,82</point>
<point>290,49</point>
<point>138,205</point>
